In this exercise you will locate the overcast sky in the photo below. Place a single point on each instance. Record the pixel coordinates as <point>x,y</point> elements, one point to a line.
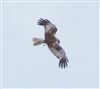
<point>26,66</point>
<point>0,44</point>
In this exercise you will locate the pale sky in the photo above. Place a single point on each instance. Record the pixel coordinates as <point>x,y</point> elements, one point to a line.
<point>0,43</point>
<point>26,66</point>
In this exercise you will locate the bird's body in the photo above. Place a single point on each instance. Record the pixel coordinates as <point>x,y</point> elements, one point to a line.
<point>52,42</point>
<point>50,39</point>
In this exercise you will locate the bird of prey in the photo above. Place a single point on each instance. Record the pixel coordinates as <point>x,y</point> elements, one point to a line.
<point>52,42</point>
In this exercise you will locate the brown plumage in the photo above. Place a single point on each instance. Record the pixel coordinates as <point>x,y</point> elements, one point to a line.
<point>52,42</point>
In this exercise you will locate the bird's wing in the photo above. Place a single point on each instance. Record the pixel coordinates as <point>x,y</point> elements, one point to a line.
<point>47,25</point>
<point>58,51</point>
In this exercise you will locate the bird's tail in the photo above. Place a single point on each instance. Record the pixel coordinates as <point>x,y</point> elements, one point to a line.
<point>37,41</point>
<point>63,62</point>
<point>43,22</point>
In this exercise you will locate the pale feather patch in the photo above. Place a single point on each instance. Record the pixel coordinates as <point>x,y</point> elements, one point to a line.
<point>60,54</point>
<point>49,26</point>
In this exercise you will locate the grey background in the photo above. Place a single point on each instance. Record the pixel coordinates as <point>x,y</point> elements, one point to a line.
<point>0,44</point>
<point>26,66</point>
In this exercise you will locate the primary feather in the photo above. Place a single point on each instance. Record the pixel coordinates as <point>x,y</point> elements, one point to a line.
<point>48,26</point>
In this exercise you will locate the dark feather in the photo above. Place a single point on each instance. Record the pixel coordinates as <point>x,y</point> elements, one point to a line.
<point>63,63</point>
<point>43,22</point>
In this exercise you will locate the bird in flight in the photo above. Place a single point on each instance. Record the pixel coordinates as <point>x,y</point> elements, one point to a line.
<point>52,41</point>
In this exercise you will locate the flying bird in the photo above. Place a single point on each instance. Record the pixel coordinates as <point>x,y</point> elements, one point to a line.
<point>52,42</point>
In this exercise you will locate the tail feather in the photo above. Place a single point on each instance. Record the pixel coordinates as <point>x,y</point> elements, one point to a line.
<point>63,62</point>
<point>37,41</point>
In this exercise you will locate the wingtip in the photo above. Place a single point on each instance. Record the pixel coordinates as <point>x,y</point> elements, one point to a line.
<point>63,63</point>
<point>43,22</point>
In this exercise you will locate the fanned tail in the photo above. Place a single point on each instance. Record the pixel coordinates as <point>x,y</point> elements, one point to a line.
<point>37,41</point>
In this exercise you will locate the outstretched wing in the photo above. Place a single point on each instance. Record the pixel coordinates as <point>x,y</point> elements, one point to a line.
<point>47,25</point>
<point>58,51</point>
